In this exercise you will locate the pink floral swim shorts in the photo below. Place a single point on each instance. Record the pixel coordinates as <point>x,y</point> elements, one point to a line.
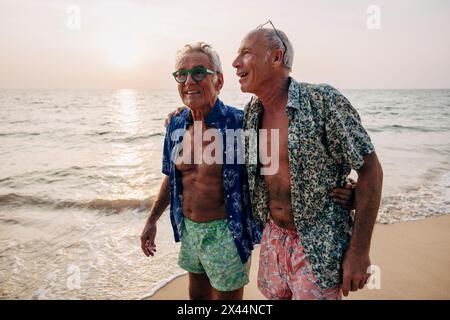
<point>284,270</point>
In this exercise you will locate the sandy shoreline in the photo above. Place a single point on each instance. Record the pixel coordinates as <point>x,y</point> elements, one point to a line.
<point>413,257</point>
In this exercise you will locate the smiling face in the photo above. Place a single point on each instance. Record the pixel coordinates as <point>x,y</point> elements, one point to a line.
<point>203,94</point>
<point>252,63</point>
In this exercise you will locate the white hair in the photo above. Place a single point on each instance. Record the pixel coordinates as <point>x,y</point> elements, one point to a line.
<point>275,40</point>
<point>202,47</point>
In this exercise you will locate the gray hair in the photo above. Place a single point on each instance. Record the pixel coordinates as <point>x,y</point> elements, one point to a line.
<point>275,40</point>
<point>202,47</point>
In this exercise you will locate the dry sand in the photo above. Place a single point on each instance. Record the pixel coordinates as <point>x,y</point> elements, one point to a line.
<point>413,257</point>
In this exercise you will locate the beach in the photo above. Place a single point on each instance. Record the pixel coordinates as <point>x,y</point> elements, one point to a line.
<point>413,259</point>
<point>80,170</point>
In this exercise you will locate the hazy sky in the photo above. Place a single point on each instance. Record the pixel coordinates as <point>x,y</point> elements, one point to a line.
<point>132,44</point>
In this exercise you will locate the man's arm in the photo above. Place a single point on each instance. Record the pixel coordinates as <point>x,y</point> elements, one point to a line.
<point>367,198</point>
<point>345,196</point>
<point>161,203</point>
<point>171,115</point>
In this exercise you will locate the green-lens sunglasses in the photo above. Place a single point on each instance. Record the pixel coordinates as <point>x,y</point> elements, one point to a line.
<point>197,73</point>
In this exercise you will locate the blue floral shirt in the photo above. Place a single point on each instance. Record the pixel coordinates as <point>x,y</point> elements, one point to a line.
<point>243,227</point>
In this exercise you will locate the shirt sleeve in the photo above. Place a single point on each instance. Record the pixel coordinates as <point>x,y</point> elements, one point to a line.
<point>348,141</point>
<point>166,153</point>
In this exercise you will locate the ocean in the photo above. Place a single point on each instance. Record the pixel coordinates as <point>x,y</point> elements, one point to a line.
<point>79,170</point>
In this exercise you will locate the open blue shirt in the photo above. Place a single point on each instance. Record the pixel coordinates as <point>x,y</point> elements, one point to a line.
<point>243,227</point>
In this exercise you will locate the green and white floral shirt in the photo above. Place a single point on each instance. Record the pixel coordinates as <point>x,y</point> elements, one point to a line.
<point>325,141</point>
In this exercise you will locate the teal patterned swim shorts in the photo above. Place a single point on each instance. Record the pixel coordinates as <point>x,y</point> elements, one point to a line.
<point>209,247</point>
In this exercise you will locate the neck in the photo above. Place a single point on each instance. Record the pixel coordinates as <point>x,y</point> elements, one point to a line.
<point>274,96</point>
<point>200,113</point>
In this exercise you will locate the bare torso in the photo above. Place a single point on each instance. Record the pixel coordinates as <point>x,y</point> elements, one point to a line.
<point>202,186</point>
<point>279,184</point>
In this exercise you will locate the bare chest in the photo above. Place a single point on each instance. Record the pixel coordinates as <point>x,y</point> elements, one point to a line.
<point>273,141</point>
<point>200,154</point>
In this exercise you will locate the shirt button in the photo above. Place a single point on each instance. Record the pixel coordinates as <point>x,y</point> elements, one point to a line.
<point>228,195</point>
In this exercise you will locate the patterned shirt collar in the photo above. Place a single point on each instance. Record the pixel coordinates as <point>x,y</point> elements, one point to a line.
<point>217,113</point>
<point>292,103</point>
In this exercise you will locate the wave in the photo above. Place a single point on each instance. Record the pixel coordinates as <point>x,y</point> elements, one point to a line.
<point>107,123</point>
<point>122,133</point>
<point>400,128</point>
<point>416,204</point>
<point>86,173</point>
<point>139,137</point>
<point>409,128</point>
<point>160,285</point>
<point>114,205</point>
<point>102,133</point>
<point>21,134</point>
<point>18,121</point>
<point>9,221</point>
<point>95,134</point>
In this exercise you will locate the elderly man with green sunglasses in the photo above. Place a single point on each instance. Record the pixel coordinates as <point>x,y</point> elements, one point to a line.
<point>209,200</point>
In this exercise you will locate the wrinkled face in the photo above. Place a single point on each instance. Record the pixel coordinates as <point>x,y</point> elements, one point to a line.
<point>252,63</point>
<point>196,95</point>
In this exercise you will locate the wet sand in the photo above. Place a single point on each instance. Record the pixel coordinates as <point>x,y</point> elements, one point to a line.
<point>413,259</point>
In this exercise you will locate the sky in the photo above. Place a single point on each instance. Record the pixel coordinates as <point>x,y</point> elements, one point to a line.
<point>115,44</point>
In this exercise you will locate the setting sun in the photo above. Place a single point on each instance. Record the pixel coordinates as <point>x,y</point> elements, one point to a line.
<point>123,53</point>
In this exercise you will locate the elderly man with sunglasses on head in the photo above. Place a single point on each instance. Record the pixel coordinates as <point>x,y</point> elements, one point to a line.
<point>209,201</point>
<point>312,248</point>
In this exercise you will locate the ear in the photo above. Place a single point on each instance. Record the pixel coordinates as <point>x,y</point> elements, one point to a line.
<point>277,57</point>
<point>219,82</point>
